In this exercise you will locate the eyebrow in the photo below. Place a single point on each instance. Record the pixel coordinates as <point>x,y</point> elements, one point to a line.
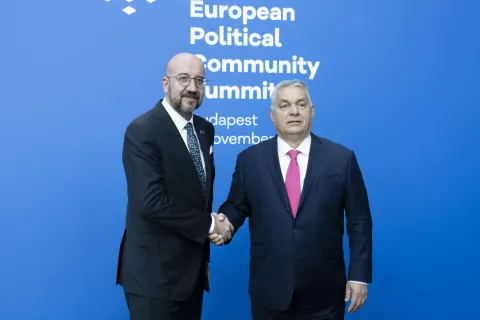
<point>299,100</point>
<point>186,74</point>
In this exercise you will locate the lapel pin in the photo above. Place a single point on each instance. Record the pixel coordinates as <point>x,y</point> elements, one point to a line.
<point>202,132</point>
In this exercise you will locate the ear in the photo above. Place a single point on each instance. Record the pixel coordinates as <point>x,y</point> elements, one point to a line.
<point>165,84</point>
<point>313,111</point>
<point>271,115</point>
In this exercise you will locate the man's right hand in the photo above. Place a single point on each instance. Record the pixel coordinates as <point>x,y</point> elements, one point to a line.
<point>223,230</point>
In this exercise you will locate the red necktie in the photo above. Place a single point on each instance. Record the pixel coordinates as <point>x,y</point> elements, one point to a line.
<point>292,181</point>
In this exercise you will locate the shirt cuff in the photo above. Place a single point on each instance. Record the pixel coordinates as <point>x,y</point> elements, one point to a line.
<point>358,282</point>
<point>212,226</point>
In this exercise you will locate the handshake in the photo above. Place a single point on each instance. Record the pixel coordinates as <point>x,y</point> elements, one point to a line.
<point>222,231</point>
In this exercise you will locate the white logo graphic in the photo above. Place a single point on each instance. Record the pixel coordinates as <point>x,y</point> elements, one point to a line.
<point>129,9</point>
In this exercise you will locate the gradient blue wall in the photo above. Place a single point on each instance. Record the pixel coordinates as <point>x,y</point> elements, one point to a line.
<point>398,83</point>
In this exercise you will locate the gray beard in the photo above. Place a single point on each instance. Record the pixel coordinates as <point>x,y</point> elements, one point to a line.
<point>184,111</point>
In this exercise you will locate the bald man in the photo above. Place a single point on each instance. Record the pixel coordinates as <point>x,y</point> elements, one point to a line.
<point>169,168</point>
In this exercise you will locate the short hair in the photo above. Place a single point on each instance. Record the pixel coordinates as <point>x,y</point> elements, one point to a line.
<point>290,83</point>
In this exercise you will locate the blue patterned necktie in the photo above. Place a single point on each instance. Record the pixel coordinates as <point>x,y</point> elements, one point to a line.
<point>192,143</point>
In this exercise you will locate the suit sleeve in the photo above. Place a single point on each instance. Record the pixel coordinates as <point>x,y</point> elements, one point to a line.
<point>146,190</point>
<point>359,224</point>
<point>236,207</point>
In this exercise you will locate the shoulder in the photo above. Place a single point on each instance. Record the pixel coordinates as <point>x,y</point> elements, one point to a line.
<point>335,152</point>
<point>258,149</point>
<point>140,127</point>
<point>205,125</point>
<point>202,121</point>
<point>331,145</point>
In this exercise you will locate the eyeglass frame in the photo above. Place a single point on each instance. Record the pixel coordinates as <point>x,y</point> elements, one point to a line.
<point>181,75</point>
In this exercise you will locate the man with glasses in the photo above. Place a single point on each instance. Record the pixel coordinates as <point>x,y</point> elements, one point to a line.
<point>169,168</point>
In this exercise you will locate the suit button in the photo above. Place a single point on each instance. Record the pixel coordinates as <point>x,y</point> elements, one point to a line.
<point>294,230</point>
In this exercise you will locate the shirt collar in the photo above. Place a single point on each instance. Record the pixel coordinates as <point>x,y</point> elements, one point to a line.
<point>304,147</point>
<point>178,120</point>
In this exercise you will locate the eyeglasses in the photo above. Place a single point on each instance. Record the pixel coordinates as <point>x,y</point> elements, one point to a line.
<point>184,80</point>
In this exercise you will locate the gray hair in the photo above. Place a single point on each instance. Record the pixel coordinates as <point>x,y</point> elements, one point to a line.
<point>290,83</point>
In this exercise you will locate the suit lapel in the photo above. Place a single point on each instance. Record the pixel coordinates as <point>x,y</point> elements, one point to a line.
<point>314,164</point>
<point>276,173</point>
<point>315,160</point>
<point>181,152</point>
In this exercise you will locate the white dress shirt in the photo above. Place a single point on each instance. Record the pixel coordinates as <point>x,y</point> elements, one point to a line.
<point>180,123</point>
<point>302,159</point>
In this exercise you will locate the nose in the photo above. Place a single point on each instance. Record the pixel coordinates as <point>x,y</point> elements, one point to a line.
<point>192,87</point>
<point>294,110</point>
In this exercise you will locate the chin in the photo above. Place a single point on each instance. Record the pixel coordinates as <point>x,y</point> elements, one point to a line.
<point>191,105</point>
<point>188,109</point>
<point>294,131</point>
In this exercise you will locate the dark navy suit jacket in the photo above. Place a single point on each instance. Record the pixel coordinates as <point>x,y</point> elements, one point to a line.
<point>164,248</point>
<point>305,253</point>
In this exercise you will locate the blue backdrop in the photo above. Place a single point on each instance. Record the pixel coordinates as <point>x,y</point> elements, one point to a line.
<point>397,81</point>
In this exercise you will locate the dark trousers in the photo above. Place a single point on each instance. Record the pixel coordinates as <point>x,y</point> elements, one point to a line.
<point>296,311</point>
<point>142,308</point>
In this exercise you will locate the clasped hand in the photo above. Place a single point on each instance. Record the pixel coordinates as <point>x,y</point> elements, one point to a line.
<point>223,230</point>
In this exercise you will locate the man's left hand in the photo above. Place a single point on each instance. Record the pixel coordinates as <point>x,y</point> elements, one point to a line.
<point>358,292</point>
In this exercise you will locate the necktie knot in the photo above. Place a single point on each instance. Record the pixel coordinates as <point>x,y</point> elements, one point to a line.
<point>188,126</point>
<point>293,154</point>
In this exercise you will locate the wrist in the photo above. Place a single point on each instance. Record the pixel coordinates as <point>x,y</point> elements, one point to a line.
<point>212,225</point>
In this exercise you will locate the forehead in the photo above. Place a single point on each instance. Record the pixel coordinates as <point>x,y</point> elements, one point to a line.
<point>291,94</point>
<point>188,65</point>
